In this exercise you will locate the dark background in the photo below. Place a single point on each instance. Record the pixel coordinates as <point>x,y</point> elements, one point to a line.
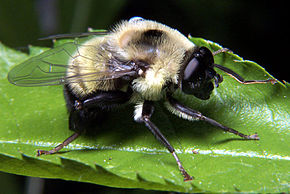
<point>255,30</point>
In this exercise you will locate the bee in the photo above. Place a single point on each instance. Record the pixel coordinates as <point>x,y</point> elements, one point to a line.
<point>138,62</point>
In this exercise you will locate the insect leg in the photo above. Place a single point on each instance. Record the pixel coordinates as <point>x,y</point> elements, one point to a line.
<point>240,79</point>
<point>60,146</point>
<point>187,113</point>
<point>108,99</point>
<point>143,114</point>
<point>85,114</point>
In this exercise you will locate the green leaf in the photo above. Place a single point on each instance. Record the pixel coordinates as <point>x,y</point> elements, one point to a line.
<point>124,154</point>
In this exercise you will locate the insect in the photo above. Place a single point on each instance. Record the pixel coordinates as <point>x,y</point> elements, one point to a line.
<point>139,62</point>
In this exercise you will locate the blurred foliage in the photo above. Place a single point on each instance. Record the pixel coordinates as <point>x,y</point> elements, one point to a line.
<point>36,19</point>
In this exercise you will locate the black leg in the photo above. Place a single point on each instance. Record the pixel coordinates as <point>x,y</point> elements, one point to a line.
<point>240,79</point>
<point>107,99</point>
<point>192,115</point>
<point>85,114</point>
<point>60,146</point>
<point>147,111</point>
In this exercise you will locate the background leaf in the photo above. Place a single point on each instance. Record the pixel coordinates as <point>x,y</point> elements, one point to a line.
<point>124,154</point>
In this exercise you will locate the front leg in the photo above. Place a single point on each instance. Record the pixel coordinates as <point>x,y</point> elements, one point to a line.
<point>143,114</point>
<point>187,113</point>
<point>241,80</point>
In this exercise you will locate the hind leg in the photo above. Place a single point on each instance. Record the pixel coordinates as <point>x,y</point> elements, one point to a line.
<point>85,114</point>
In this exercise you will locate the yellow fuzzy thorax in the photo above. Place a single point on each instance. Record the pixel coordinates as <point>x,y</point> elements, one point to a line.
<point>165,61</point>
<point>164,56</point>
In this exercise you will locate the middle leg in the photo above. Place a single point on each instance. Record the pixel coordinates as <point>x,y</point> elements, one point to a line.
<point>143,115</point>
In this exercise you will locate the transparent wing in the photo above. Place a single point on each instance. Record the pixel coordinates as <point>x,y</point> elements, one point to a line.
<point>50,67</point>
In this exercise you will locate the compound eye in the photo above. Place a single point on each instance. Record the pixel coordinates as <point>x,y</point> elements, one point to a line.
<point>190,68</point>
